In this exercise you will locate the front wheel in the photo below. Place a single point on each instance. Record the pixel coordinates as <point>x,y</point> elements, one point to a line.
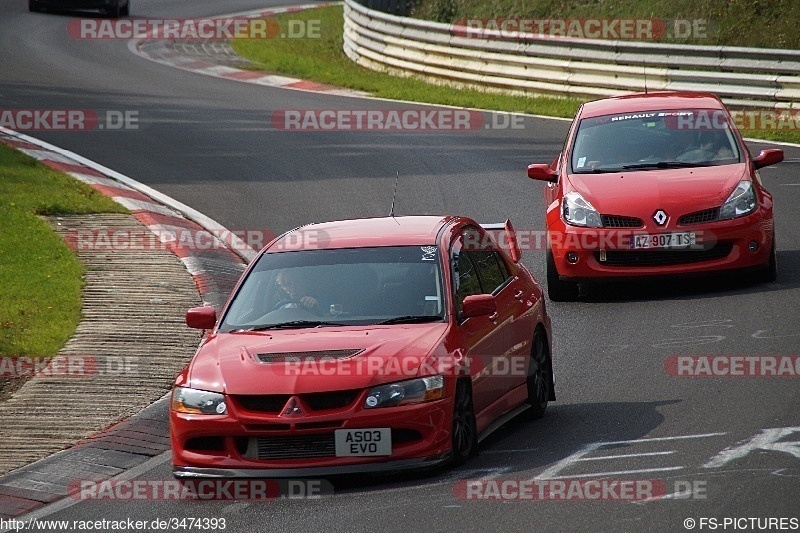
<point>540,379</point>
<point>33,6</point>
<point>465,429</point>
<point>114,10</point>
<point>770,272</point>
<point>126,9</point>
<point>557,290</point>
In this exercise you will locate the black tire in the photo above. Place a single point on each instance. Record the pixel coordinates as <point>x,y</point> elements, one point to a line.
<point>34,7</point>
<point>770,271</point>
<point>558,290</point>
<point>126,9</point>
<point>465,429</point>
<point>540,377</point>
<point>114,10</point>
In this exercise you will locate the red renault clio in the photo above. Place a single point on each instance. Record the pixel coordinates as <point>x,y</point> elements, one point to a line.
<point>651,185</point>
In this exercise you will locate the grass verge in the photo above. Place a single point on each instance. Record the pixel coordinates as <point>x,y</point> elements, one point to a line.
<point>41,277</point>
<point>323,60</point>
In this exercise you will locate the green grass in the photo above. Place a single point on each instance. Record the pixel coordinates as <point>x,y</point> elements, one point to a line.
<point>40,277</point>
<point>323,60</point>
<point>753,23</point>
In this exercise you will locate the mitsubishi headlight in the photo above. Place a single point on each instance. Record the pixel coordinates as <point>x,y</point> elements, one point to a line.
<point>198,402</point>
<point>405,392</point>
<point>578,212</point>
<point>742,201</point>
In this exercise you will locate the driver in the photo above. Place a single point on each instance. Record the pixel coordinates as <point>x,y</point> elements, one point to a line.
<point>295,287</point>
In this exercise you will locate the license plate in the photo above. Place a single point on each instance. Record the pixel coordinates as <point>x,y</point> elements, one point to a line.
<point>664,240</point>
<point>363,442</point>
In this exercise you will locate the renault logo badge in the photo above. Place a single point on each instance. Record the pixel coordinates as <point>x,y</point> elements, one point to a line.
<point>660,217</point>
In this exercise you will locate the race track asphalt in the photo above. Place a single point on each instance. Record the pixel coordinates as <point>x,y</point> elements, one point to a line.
<point>209,143</point>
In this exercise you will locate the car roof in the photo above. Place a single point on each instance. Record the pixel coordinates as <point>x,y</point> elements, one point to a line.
<point>633,103</point>
<point>364,232</point>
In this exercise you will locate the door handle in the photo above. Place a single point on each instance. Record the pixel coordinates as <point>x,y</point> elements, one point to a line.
<point>518,295</point>
<point>493,316</point>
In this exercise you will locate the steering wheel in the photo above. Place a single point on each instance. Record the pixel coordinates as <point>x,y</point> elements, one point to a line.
<point>286,301</point>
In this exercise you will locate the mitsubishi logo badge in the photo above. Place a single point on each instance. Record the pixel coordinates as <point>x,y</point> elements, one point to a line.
<point>660,217</point>
<point>292,408</point>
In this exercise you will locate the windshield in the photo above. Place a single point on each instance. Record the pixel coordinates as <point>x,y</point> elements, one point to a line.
<point>653,140</point>
<point>353,286</point>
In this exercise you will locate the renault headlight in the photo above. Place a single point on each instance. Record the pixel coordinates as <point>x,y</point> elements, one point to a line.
<point>742,201</point>
<point>405,392</point>
<point>578,212</point>
<point>198,402</point>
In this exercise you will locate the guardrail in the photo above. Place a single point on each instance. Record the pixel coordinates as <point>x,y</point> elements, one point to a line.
<point>442,53</point>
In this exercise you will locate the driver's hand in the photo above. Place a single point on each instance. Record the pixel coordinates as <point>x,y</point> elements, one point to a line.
<point>309,303</point>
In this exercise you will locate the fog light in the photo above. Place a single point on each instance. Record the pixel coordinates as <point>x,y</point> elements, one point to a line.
<point>752,246</point>
<point>572,257</point>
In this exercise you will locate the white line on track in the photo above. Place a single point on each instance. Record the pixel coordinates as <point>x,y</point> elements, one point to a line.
<point>68,502</point>
<point>627,456</point>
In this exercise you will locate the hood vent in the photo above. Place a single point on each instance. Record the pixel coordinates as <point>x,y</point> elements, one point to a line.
<point>320,355</point>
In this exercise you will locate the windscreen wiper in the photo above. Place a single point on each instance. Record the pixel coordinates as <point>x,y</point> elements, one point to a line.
<point>291,324</point>
<point>668,164</point>
<point>411,319</point>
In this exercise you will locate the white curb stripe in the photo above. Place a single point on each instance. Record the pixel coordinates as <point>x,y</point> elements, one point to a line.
<point>140,205</point>
<point>234,243</point>
<point>46,155</point>
<point>97,180</point>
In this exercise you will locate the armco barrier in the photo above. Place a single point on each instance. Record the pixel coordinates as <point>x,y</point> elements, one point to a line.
<point>748,77</point>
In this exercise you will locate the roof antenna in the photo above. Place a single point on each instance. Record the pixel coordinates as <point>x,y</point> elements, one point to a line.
<point>644,68</point>
<point>397,177</point>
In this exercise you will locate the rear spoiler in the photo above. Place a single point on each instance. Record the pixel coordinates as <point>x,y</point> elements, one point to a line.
<point>510,240</point>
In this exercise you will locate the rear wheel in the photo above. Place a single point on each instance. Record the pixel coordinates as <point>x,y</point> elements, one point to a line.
<point>126,9</point>
<point>557,290</point>
<point>465,429</point>
<point>540,379</point>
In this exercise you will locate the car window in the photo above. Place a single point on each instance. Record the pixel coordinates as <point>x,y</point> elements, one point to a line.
<point>465,277</point>
<point>357,286</point>
<point>489,272</point>
<point>654,139</point>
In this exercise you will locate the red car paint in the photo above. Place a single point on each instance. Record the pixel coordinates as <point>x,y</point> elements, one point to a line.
<point>640,193</point>
<point>455,347</point>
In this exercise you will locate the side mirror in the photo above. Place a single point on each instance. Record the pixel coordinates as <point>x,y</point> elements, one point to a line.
<point>478,305</point>
<point>768,157</point>
<point>542,172</point>
<point>201,317</point>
